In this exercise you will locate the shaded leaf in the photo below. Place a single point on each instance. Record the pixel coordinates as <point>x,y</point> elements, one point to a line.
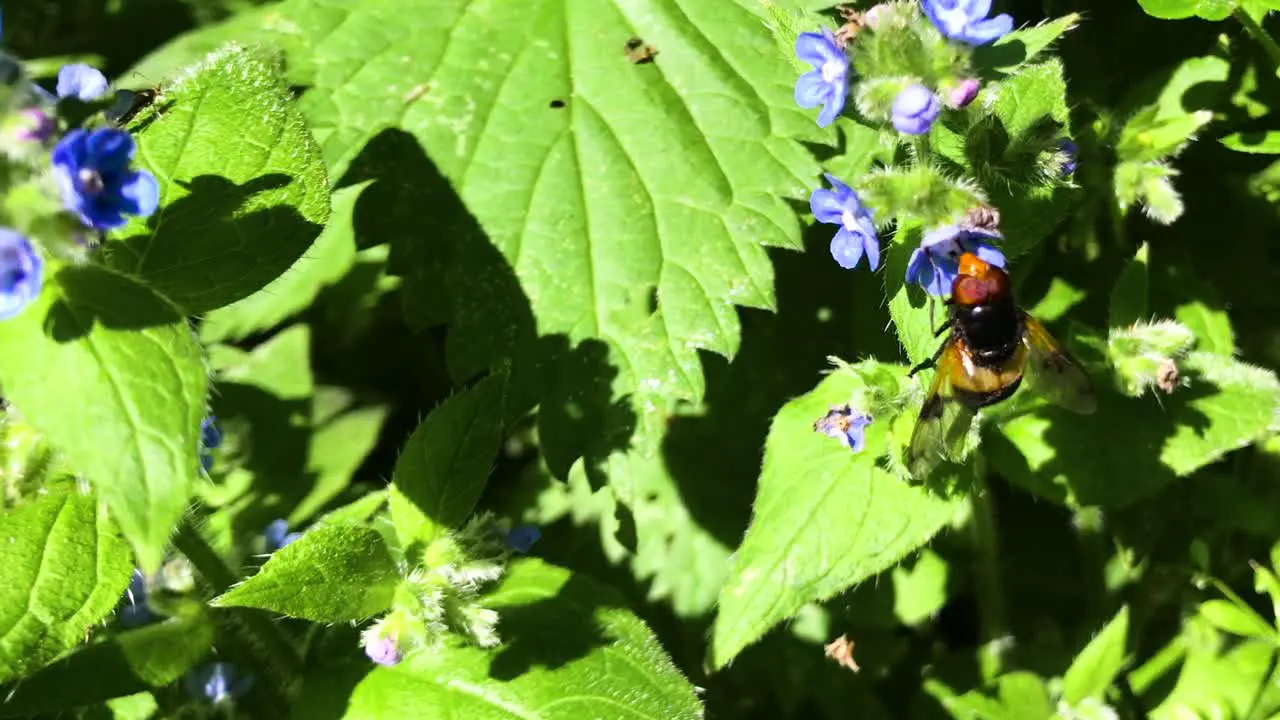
<point>445,464</point>
<point>1129,296</point>
<point>1097,666</point>
<point>220,237</point>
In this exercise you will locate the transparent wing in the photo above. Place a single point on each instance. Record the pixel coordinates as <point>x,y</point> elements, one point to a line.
<point>1052,374</point>
<point>943,423</point>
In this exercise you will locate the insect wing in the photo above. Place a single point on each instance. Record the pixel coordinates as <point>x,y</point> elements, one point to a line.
<point>1052,373</point>
<point>944,421</point>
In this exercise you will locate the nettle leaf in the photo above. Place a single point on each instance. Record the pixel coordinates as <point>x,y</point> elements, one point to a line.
<point>243,188</point>
<point>571,649</point>
<point>551,166</point>
<point>125,359</point>
<point>332,255</point>
<point>1097,666</point>
<point>333,573</point>
<point>66,566</point>
<point>445,464</point>
<point>129,662</point>
<point>1132,447</point>
<point>824,519</point>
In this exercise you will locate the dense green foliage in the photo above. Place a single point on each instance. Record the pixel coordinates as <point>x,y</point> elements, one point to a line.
<point>449,271</point>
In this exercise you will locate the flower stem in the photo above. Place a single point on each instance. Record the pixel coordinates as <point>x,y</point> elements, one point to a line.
<point>990,595</point>
<point>1260,36</point>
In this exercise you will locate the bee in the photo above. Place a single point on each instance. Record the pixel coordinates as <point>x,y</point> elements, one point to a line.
<point>992,347</point>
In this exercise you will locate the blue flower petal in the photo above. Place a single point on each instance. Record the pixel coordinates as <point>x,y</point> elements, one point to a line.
<point>827,206</point>
<point>81,81</point>
<point>978,9</point>
<point>142,193</point>
<point>987,31</point>
<point>835,104</point>
<point>21,273</point>
<point>818,48</point>
<point>812,90</point>
<point>522,537</point>
<point>847,248</point>
<point>870,242</point>
<point>989,254</point>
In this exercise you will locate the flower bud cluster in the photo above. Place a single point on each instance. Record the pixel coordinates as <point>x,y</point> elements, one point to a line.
<point>443,595</point>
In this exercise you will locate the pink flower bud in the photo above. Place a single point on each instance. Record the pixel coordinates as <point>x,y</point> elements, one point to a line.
<point>871,18</point>
<point>962,93</point>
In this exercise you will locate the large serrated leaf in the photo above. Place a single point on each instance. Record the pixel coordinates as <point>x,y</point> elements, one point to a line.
<point>570,650</point>
<point>333,573</point>
<point>557,152</point>
<point>824,519</point>
<point>66,566</point>
<point>243,188</point>
<point>445,464</point>
<point>128,363</point>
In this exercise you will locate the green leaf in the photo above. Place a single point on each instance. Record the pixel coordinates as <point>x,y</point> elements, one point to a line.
<point>332,255</point>
<point>336,451</point>
<point>1267,143</point>
<point>1006,55</point>
<point>1211,326</point>
<point>333,573</point>
<point>1237,620</point>
<point>920,591</point>
<point>1182,9</point>
<point>1057,301</point>
<point>445,465</point>
<point>583,206</point>
<point>1129,296</point>
<point>570,650</point>
<point>1132,447</point>
<point>824,520</point>
<point>122,664</point>
<point>1024,696</point>
<point>1097,666</point>
<point>218,238</point>
<point>1217,682</point>
<point>1241,411</point>
<point>66,567</point>
<point>125,359</point>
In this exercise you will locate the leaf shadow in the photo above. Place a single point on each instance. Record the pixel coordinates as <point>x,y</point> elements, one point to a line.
<point>454,275</point>
<point>553,631</point>
<point>212,240</point>
<point>714,453</point>
<point>92,295</point>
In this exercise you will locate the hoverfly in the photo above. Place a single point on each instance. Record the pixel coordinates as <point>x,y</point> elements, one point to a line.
<point>992,347</point>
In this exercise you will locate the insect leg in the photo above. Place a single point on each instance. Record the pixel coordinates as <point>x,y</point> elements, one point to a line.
<point>930,362</point>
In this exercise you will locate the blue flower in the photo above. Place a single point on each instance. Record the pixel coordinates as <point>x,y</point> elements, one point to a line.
<point>1068,148</point>
<point>857,234</point>
<point>933,265</point>
<point>218,682</point>
<point>92,168</point>
<point>828,83</point>
<point>277,534</point>
<point>81,81</point>
<point>210,439</point>
<point>522,537</point>
<point>915,109</point>
<point>133,609</point>
<point>846,425</point>
<point>21,273</point>
<point>966,20</point>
